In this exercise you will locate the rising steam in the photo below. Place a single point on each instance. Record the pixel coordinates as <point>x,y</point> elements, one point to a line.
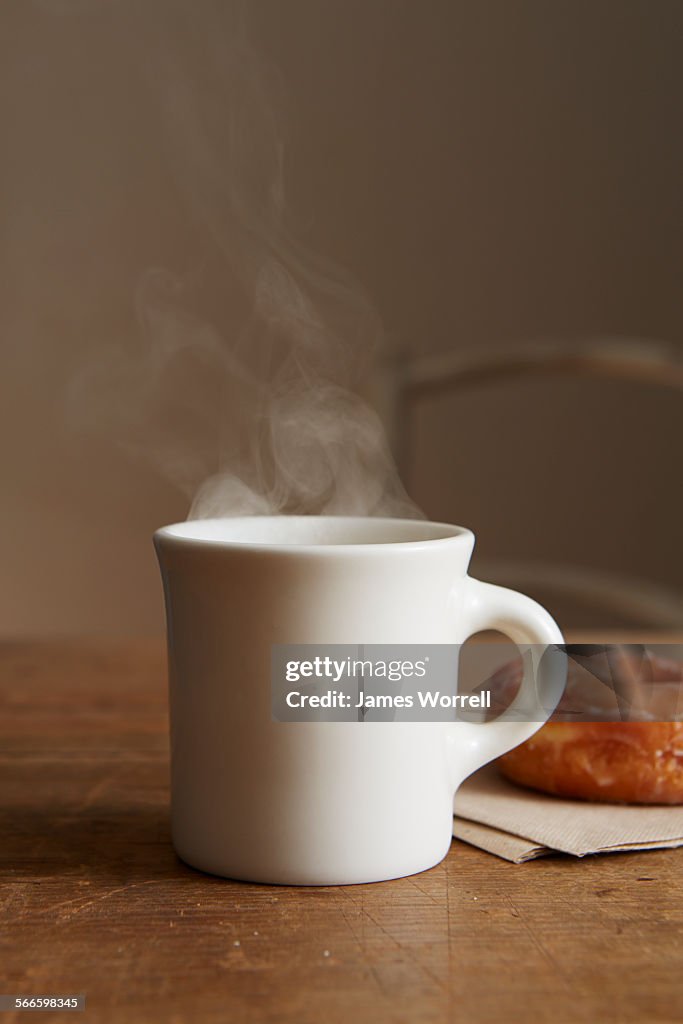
<point>262,415</point>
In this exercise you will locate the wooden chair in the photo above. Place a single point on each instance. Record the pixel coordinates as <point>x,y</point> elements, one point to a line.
<point>404,382</point>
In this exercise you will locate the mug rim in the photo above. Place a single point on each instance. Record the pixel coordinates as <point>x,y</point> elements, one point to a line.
<point>444,534</point>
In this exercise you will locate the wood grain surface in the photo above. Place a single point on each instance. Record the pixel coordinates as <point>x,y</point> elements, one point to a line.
<point>94,901</point>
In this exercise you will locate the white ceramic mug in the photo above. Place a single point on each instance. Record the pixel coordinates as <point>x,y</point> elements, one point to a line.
<point>321,803</point>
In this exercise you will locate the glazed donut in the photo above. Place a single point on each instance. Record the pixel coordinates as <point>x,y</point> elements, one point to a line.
<point>615,761</point>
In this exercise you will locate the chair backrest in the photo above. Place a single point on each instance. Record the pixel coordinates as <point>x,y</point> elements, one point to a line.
<point>606,597</point>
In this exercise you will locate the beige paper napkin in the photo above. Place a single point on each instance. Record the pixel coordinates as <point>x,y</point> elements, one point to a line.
<point>519,824</point>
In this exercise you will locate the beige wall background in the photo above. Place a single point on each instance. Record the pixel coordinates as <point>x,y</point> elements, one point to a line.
<point>492,172</point>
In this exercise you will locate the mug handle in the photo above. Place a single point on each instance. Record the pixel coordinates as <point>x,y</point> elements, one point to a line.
<point>487,606</point>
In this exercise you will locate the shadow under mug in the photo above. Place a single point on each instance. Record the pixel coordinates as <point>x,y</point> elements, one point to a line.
<point>322,803</point>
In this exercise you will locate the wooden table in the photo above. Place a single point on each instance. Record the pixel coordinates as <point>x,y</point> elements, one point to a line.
<point>94,900</point>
